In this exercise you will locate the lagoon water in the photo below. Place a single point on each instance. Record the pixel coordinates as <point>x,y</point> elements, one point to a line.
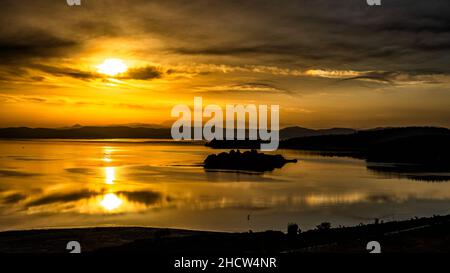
<point>70,183</point>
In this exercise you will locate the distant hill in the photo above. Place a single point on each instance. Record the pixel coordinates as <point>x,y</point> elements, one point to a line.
<point>416,145</point>
<point>292,132</point>
<point>85,132</point>
<point>360,140</point>
<point>285,133</point>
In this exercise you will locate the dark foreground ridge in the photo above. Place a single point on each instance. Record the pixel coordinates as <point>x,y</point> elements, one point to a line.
<point>249,161</point>
<point>416,235</point>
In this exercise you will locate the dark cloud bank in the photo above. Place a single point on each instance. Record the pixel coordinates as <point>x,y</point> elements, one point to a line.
<point>401,35</point>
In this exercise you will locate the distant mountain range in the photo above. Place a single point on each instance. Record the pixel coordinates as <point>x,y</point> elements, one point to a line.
<point>138,131</point>
<point>292,132</point>
<point>85,132</point>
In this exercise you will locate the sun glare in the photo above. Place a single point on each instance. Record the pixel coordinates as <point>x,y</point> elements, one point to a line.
<point>110,201</point>
<point>112,67</point>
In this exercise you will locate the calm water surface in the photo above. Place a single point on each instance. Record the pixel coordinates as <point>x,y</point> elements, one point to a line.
<point>53,183</point>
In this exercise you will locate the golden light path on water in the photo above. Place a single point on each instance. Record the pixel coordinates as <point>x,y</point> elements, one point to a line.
<point>110,175</point>
<point>110,201</point>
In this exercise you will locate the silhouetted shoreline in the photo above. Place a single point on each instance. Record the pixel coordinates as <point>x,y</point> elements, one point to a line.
<point>430,234</point>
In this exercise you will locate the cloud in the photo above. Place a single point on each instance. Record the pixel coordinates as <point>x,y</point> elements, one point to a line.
<point>286,49</point>
<point>67,101</point>
<point>341,35</point>
<point>133,73</point>
<point>401,78</point>
<point>334,74</point>
<point>33,44</point>
<point>247,87</point>
<point>142,73</point>
<point>385,77</point>
<point>251,29</point>
<point>66,72</point>
<point>14,198</point>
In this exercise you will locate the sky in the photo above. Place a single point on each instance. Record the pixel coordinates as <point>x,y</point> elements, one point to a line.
<point>326,63</point>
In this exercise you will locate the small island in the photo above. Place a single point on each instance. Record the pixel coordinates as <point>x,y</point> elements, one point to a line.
<point>248,161</point>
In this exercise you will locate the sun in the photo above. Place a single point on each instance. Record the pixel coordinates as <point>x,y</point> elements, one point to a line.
<point>112,67</point>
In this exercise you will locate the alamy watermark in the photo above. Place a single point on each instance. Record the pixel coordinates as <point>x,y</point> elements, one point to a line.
<point>373,2</point>
<point>190,125</point>
<point>73,2</point>
<point>74,247</point>
<point>374,247</point>
<point>369,2</point>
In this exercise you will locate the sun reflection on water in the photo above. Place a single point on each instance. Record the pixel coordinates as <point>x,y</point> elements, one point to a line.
<point>110,175</point>
<point>107,151</point>
<point>110,202</point>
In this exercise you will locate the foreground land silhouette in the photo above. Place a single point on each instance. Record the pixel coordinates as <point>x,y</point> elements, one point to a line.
<point>415,235</point>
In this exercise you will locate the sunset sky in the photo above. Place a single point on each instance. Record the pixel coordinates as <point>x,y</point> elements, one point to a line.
<point>326,63</point>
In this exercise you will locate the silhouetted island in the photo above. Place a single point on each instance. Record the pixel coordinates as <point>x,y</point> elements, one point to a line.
<point>420,146</point>
<point>249,161</point>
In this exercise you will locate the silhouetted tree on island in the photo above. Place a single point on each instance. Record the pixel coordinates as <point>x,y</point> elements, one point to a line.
<point>292,229</point>
<point>324,226</point>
